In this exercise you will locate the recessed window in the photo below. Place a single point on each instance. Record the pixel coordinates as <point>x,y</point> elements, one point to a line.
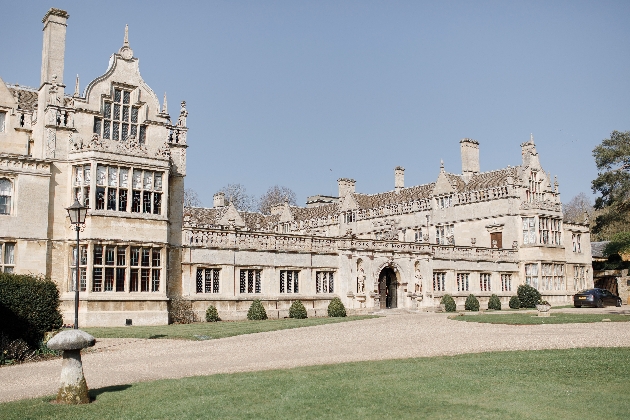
<point>3,117</point>
<point>208,280</point>
<point>250,281</point>
<point>463,282</point>
<point>113,264</point>
<point>289,282</point>
<point>552,276</point>
<point>325,282</point>
<point>439,281</point>
<point>119,119</point>
<point>484,282</point>
<point>506,282</point>
<point>82,269</point>
<point>7,257</point>
<point>6,193</point>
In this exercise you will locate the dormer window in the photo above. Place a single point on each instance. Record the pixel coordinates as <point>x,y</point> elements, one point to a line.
<point>120,119</point>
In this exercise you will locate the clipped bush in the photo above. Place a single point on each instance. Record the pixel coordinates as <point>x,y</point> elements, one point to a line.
<point>494,303</point>
<point>449,303</point>
<point>336,308</point>
<point>212,315</point>
<point>29,307</point>
<point>180,310</point>
<point>472,303</point>
<point>256,311</point>
<point>297,310</point>
<point>515,302</point>
<point>528,296</point>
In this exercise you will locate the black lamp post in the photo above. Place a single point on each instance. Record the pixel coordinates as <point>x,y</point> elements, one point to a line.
<point>77,214</point>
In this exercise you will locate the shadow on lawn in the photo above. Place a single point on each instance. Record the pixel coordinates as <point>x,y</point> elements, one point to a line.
<point>94,393</point>
<point>157,336</point>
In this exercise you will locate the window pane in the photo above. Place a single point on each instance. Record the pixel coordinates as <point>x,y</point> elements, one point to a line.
<point>115,131</point>
<point>120,256</point>
<point>97,126</point>
<point>146,257</point>
<point>97,279</point>
<point>107,110</point>
<point>157,203</point>
<point>135,256</point>
<point>98,255</point>
<point>116,112</point>
<point>120,279</point>
<point>122,200</point>
<point>135,203</point>
<point>9,251</point>
<point>144,279</point>
<point>109,255</point>
<point>107,129</point>
<point>126,97</point>
<point>156,257</point>
<point>146,202</point>
<point>100,198</point>
<point>143,134</point>
<point>125,114</point>
<point>117,95</point>
<point>155,281</point>
<point>125,131</point>
<point>134,114</point>
<point>133,280</point>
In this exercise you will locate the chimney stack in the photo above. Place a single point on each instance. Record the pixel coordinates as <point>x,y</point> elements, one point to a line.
<point>399,178</point>
<point>219,199</point>
<point>54,47</point>
<point>346,186</point>
<point>470,157</point>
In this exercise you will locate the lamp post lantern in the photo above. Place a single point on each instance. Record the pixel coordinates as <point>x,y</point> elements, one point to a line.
<point>77,214</point>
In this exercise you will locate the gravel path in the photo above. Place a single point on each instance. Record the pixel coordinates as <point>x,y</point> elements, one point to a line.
<point>124,361</point>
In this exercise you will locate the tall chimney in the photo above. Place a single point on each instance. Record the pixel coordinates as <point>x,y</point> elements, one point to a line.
<point>219,199</point>
<point>470,157</point>
<point>399,178</point>
<point>54,45</point>
<point>346,186</point>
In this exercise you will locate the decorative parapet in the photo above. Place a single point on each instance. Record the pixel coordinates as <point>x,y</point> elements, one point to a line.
<point>541,205</point>
<point>474,254</point>
<point>14,163</point>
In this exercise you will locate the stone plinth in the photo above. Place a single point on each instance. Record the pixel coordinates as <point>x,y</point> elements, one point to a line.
<point>73,389</point>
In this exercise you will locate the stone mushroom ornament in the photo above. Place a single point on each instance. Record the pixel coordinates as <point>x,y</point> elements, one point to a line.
<point>73,389</point>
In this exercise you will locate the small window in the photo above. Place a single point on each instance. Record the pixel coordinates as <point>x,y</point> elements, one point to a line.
<point>3,116</point>
<point>250,281</point>
<point>289,281</point>
<point>439,281</point>
<point>325,282</point>
<point>6,192</point>
<point>7,257</point>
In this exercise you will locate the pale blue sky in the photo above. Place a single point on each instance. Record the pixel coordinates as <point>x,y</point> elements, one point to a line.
<point>300,93</point>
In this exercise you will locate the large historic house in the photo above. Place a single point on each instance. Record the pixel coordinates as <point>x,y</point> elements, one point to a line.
<point>115,147</point>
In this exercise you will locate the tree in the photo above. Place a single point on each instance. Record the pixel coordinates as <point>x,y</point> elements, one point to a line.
<point>574,210</point>
<point>191,199</point>
<point>276,195</point>
<point>612,158</point>
<point>237,195</point>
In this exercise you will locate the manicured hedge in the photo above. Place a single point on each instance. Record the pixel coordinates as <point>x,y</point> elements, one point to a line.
<point>472,303</point>
<point>494,303</point>
<point>256,311</point>
<point>297,310</point>
<point>336,308</point>
<point>212,315</point>
<point>29,307</point>
<point>528,296</point>
<point>449,303</point>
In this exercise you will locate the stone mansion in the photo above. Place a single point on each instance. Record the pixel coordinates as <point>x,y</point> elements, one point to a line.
<point>115,147</point>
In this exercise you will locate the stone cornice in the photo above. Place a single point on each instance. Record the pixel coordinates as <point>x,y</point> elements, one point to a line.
<point>24,164</point>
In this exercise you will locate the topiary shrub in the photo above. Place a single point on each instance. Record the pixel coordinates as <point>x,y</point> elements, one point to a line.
<point>256,311</point>
<point>336,308</point>
<point>515,302</point>
<point>528,296</point>
<point>494,303</point>
<point>297,310</point>
<point>472,303</point>
<point>212,315</point>
<point>29,307</point>
<point>449,303</point>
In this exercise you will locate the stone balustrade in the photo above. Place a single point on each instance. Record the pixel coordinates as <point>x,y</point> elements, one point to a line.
<point>231,239</point>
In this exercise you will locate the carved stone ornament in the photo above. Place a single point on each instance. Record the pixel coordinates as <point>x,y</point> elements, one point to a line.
<point>95,143</point>
<point>164,151</point>
<point>132,147</point>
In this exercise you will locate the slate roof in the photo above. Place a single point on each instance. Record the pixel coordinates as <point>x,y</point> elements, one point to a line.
<point>367,201</point>
<point>597,249</point>
<point>317,212</point>
<point>211,216</point>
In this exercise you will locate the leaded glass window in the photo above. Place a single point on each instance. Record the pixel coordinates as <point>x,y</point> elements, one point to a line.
<point>120,118</point>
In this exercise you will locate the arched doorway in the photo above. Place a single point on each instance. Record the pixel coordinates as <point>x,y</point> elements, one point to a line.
<point>388,287</point>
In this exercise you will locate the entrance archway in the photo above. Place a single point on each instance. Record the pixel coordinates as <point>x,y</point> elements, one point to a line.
<point>388,288</point>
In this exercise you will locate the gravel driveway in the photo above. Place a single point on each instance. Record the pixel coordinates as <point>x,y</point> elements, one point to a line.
<point>395,336</point>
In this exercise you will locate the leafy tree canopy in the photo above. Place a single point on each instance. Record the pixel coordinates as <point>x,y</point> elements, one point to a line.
<point>612,158</point>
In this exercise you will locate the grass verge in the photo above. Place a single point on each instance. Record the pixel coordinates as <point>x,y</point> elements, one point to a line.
<point>533,319</point>
<point>547,384</point>
<point>212,330</point>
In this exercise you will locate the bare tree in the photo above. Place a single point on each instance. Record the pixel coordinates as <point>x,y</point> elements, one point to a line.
<point>237,195</point>
<point>191,199</point>
<point>574,210</point>
<point>276,195</point>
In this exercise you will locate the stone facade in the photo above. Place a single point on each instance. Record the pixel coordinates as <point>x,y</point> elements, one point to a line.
<point>115,147</point>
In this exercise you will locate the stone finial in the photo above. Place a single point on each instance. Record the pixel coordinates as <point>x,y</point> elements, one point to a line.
<point>126,40</point>
<point>76,88</point>
<point>183,113</point>
<point>165,105</point>
<point>441,165</point>
<point>555,184</point>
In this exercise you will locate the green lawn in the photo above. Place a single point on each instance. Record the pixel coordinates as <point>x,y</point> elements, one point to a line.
<point>212,330</point>
<point>532,319</point>
<point>549,384</point>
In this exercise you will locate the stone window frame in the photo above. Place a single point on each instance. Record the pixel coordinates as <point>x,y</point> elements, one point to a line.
<point>576,238</point>
<point>532,271</point>
<point>120,119</point>
<point>579,277</point>
<point>445,234</point>
<point>3,121</point>
<point>534,188</point>
<point>439,281</point>
<point>349,216</point>
<point>142,266</point>
<point>549,230</point>
<point>485,282</point>
<point>463,282</point>
<point>444,201</point>
<point>552,276</point>
<point>506,282</point>
<point>7,185</point>
<point>7,256</point>
<point>289,281</point>
<point>325,281</point>
<point>208,280</point>
<point>250,280</point>
<point>97,191</point>
<point>83,269</point>
<point>529,230</point>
